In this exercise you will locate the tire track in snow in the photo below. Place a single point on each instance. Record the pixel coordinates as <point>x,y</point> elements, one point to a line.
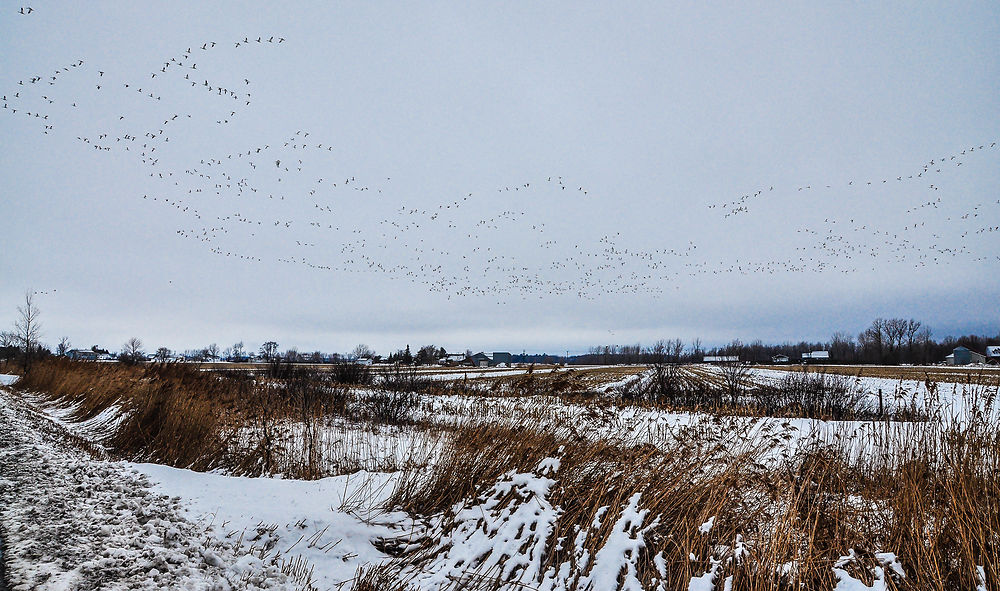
<point>71,521</point>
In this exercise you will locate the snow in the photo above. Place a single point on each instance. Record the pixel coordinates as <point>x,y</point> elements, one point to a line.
<point>330,524</point>
<point>7,379</point>
<point>502,535</point>
<point>72,522</point>
<point>889,566</point>
<point>151,526</point>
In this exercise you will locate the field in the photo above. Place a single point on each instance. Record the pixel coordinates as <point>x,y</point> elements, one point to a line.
<point>985,375</point>
<point>687,477</point>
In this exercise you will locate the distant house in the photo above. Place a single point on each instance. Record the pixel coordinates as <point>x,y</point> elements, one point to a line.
<point>814,356</point>
<point>993,354</point>
<point>964,356</point>
<point>82,355</point>
<point>779,359</point>
<point>721,358</point>
<point>452,359</point>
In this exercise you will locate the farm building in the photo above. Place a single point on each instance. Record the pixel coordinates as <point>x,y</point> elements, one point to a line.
<point>483,360</point>
<point>721,358</point>
<point>501,359</point>
<point>993,353</point>
<point>82,355</point>
<point>815,356</point>
<point>779,359</point>
<point>964,356</point>
<point>478,360</point>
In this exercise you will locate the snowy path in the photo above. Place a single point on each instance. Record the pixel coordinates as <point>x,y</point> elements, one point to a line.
<point>72,522</point>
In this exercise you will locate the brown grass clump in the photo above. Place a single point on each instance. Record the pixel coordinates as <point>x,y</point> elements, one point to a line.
<point>172,414</point>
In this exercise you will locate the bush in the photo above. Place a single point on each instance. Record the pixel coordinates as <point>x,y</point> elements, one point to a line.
<point>354,374</point>
<point>389,407</point>
<point>404,378</point>
<point>814,396</point>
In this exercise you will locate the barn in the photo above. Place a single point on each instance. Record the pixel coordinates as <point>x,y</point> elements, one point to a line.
<point>964,356</point>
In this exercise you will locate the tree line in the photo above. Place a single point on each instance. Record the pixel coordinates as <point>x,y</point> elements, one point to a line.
<point>886,341</point>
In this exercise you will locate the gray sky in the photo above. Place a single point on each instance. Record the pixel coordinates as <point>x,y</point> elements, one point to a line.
<point>498,176</point>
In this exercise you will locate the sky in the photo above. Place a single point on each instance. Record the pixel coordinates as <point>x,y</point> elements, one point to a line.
<point>497,176</point>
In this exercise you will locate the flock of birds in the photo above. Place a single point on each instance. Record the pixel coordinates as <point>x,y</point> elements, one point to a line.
<point>296,201</point>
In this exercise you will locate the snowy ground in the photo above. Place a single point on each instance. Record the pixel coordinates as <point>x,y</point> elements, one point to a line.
<point>71,520</point>
<point>327,525</point>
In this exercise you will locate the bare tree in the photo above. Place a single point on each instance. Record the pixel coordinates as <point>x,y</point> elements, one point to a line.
<point>162,354</point>
<point>8,345</point>
<point>268,350</point>
<point>237,352</point>
<point>63,347</point>
<point>912,328</point>
<point>212,351</point>
<point>895,331</point>
<point>132,352</point>
<point>872,340</point>
<point>841,346</point>
<point>697,353</point>
<point>362,351</point>
<point>28,329</point>
<point>7,339</point>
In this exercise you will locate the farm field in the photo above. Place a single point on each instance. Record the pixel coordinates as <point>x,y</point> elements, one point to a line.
<point>590,478</point>
<point>983,374</point>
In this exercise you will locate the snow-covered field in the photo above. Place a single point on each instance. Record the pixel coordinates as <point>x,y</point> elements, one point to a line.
<point>73,519</point>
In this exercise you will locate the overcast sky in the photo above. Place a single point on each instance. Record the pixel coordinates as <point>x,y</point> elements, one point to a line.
<point>497,176</point>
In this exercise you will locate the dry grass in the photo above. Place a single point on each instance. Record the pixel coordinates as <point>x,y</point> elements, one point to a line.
<point>785,514</point>
<point>787,507</point>
<point>173,415</point>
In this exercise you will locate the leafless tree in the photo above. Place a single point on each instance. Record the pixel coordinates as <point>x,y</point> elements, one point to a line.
<point>895,331</point>
<point>872,340</point>
<point>841,346</point>
<point>237,351</point>
<point>362,351</point>
<point>8,345</point>
<point>212,351</point>
<point>696,351</point>
<point>162,354</point>
<point>132,352</point>
<point>63,347</point>
<point>268,350</point>
<point>28,329</point>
